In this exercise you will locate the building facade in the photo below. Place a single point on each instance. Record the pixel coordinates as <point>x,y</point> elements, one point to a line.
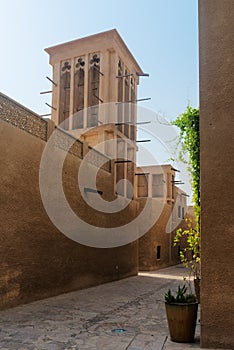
<point>168,202</point>
<point>94,97</point>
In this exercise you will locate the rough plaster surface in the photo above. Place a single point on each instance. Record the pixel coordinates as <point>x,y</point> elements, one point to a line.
<point>37,260</point>
<point>216,29</point>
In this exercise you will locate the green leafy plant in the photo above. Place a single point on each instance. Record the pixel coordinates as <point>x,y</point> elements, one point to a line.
<point>180,297</point>
<point>189,139</point>
<point>190,255</point>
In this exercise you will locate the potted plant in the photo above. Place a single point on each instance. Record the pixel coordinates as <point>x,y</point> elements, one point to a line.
<point>181,310</point>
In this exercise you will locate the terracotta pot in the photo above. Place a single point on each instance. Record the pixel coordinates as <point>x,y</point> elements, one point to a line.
<point>182,321</point>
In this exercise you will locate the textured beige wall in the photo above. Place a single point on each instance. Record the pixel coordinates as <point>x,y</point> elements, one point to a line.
<point>36,260</point>
<point>157,236</point>
<point>216,30</point>
<point>166,211</point>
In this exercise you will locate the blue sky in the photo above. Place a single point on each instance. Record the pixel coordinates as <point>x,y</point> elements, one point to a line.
<point>162,35</point>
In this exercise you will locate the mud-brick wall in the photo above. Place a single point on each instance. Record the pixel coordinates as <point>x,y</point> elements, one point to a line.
<point>36,259</point>
<point>216,39</point>
<point>157,236</point>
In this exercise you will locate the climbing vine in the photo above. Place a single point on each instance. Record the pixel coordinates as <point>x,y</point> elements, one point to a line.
<point>189,139</point>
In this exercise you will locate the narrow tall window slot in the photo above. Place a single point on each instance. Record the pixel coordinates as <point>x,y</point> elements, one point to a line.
<point>120,96</point>
<point>158,252</point>
<point>78,107</point>
<point>179,211</point>
<point>133,110</point>
<point>126,104</point>
<point>93,90</point>
<point>157,185</point>
<point>64,107</point>
<point>142,185</point>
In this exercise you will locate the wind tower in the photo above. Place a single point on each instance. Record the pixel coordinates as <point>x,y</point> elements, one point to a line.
<point>94,93</point>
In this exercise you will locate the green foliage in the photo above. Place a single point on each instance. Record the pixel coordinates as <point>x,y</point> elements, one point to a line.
<point>181,296</point>
<point>189,138</point>
<point>190,255</point>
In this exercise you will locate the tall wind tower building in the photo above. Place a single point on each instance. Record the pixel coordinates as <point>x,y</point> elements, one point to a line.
<point>94,94</point>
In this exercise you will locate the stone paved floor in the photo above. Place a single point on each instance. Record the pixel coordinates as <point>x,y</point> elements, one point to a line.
<point>85,319</point>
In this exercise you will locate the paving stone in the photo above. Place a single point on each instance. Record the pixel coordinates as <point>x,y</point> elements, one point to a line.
<point>85,319</point>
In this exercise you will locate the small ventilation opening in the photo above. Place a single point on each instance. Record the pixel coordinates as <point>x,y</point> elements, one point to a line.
<point>158,251</point>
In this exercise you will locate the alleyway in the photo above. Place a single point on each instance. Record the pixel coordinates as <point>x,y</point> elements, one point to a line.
<point>86,319</point>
